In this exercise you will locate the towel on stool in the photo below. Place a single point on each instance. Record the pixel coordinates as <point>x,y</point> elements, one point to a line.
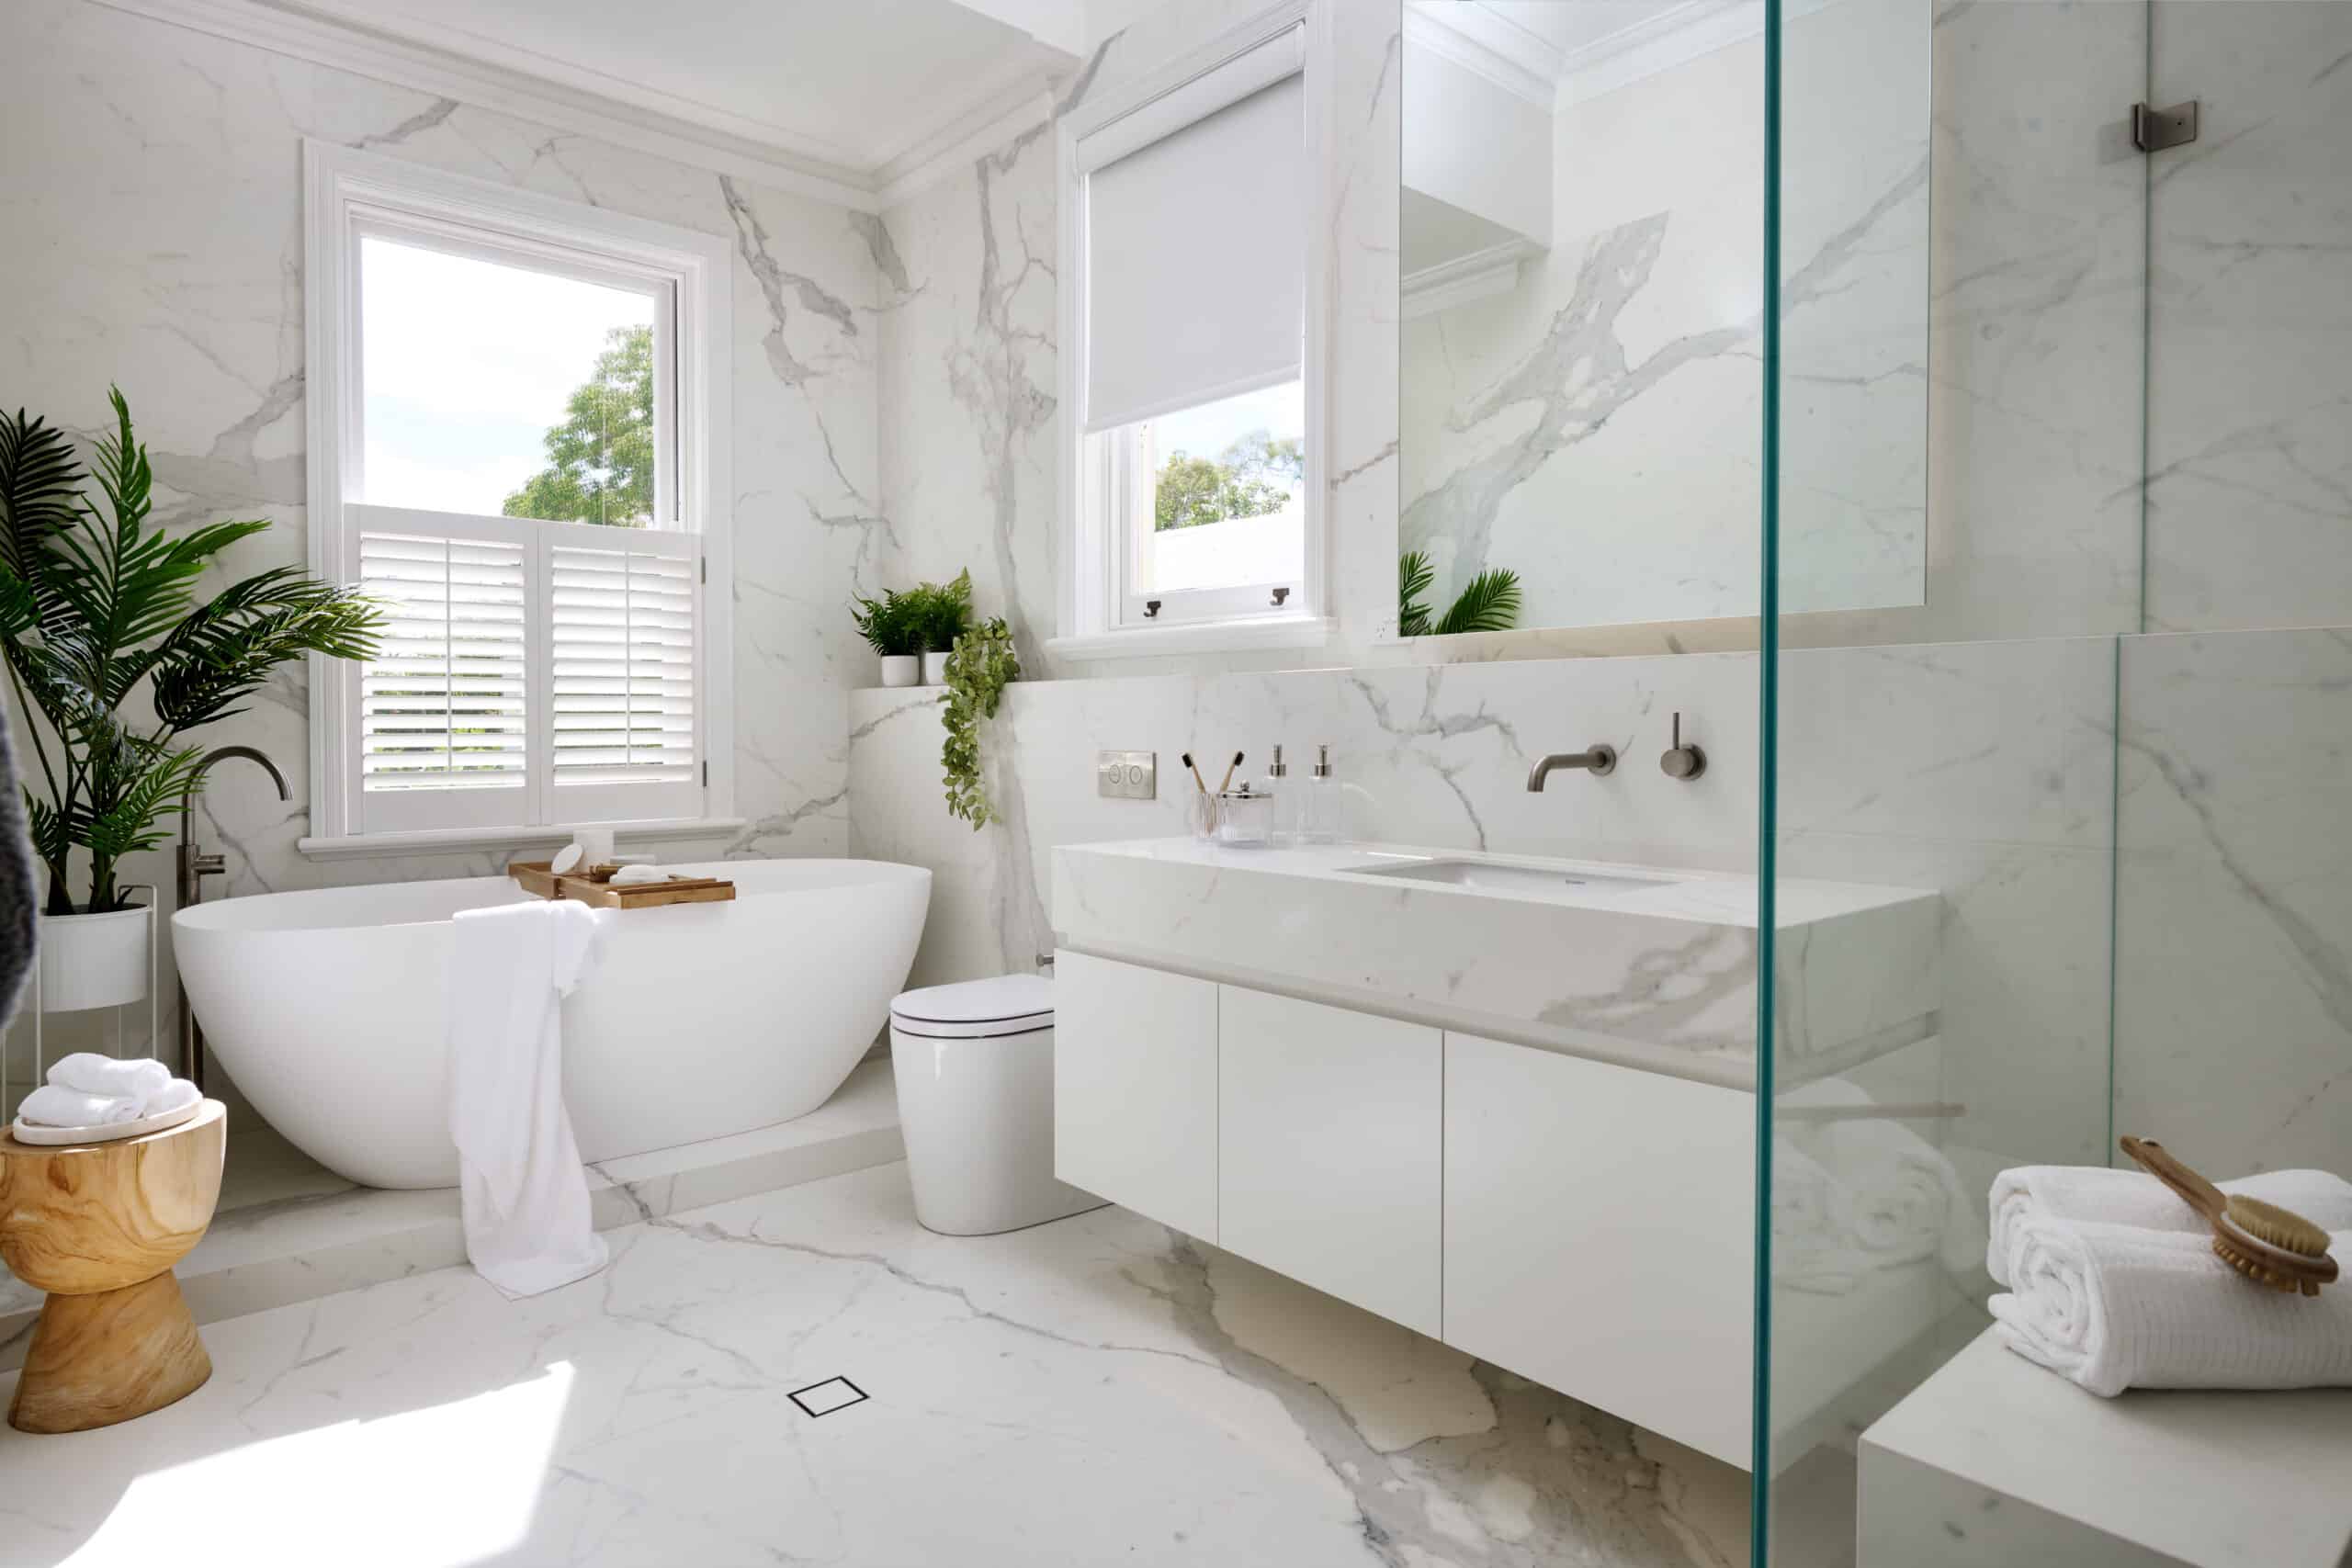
<point>522,1194</point>
<point>2134,1198</point>
<point>54,1105</point>
<point>2112,1307</point>
<point>141,1079</point>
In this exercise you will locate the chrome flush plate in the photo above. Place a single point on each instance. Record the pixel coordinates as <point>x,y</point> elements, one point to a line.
<point>1126,775</point>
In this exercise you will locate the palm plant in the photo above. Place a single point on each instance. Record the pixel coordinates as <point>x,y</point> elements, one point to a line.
<point>95,604</point>
<point>1487,603</point>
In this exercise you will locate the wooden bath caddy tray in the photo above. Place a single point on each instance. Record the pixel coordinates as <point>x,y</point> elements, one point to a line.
<point>594,887</point>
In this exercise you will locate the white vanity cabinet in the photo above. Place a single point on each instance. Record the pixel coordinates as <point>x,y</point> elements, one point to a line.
<point>1135,1088</point>
<point>1584,1224</point>
<point>1330,1162</point>
<point>1600,1235</point>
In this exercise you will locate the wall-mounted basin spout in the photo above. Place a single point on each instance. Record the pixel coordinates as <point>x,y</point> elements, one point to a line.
<point>1598,760</point>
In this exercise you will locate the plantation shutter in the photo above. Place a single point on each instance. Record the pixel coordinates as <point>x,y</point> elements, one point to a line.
<point>622,692</point>
<point>445,704</point>
<point>529,673</point>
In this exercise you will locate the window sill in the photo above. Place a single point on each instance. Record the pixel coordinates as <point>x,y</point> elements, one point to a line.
<point>464,841</point>
<point>1202,636</point>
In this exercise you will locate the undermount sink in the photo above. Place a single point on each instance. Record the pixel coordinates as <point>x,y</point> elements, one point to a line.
<point>1503,876</point>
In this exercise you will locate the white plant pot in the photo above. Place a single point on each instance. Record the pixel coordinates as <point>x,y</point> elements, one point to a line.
<point>934,669</point>
<point>93,960</point>
<point>901,668</point>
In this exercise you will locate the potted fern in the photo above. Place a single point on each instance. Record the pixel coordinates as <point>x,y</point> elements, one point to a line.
<point>942,612</point>
<point>96,606</point>
<point>888,626</point>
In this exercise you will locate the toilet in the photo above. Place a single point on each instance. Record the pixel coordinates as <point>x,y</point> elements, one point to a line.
<point>974,1065</point>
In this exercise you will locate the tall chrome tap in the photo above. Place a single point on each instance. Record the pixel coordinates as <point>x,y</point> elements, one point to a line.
<point>193,866</point>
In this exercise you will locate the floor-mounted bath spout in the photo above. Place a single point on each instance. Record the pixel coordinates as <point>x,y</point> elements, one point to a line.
<point>193,866</point>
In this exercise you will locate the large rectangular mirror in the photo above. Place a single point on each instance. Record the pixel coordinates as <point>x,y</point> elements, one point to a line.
<point>1581,378</point>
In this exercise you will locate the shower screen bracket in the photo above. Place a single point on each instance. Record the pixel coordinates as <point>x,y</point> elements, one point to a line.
<point>2154,130</point>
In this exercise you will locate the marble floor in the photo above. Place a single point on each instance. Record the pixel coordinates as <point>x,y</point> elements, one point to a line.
<point>1093,1390</point>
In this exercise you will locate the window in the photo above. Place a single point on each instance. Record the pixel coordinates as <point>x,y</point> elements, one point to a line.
<point>1191,450</point>
<point>518,446</point>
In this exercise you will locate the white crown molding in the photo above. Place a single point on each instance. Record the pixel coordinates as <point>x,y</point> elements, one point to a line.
<point>531,87</point>
<point>1494,270</point>
<point>956,147</point>
<point>1488,47</point>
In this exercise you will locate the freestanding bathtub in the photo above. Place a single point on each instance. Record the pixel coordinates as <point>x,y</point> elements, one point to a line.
<point>329,1008</point>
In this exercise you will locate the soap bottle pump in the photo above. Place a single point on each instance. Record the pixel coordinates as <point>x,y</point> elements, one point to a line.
<point>1286,801</point>
<point>1319,812</point>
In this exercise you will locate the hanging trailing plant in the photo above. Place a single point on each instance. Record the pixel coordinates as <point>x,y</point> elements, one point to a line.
<point>981,666</point>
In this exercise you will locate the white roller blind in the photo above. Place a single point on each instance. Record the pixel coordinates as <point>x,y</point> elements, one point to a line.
<point>622,683</point>
<point>443,704</point>
<point>1196,255</point>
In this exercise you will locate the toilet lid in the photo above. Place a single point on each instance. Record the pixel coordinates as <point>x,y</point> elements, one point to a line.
<point>1008,1004</point>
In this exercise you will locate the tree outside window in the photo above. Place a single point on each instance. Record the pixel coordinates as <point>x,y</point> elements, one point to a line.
<point>1255,476</point>
<point>601,458</point>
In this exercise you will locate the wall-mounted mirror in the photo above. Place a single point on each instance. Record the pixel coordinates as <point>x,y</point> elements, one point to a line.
<point>1582,378</point>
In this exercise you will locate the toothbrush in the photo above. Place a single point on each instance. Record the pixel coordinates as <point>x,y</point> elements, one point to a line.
<point>1200,783</point>
<point>1228,775</point>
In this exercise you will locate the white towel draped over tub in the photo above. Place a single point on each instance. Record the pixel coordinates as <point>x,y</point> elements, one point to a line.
<point>523,1194</point>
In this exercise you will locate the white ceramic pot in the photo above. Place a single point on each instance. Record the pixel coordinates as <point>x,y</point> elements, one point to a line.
<point>934,669</point>
<point>93,961</point>
<point>901,668</point>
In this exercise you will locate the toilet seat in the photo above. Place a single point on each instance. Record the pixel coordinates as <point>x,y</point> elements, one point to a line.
<point>977,1010</point>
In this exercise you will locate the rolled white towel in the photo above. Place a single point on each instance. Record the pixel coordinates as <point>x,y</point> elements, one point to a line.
<point>638,876</point>
<point>87,1071</point>
<point>54,1105</point>
<point>2112,1307</point>
<point>2135,1198</point>
<point>177,1094</point>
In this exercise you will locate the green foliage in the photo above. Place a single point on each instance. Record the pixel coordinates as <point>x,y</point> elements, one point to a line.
<point>888,624</point>
<point>1414,575</point>
<point>94,603</point>
<point>981,666</point>
<point>1490,603</point>
<point>1253,478</point>
<point>601,456</point>
<point>941,611</point>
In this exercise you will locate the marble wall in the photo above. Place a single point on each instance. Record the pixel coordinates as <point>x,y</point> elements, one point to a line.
<point>150,233</point>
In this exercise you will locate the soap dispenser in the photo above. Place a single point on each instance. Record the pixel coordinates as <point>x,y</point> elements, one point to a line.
<point>1319,811</point>
<point>1286,801</point>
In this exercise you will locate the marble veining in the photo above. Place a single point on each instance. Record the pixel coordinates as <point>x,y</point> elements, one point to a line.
<point>1093,1390</point>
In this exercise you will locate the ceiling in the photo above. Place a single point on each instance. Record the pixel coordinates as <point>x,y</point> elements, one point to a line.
<point>1568,26</point>
<point>862,85</point>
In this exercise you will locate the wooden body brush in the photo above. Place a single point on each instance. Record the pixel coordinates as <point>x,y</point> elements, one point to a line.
<point>2268,1245</point>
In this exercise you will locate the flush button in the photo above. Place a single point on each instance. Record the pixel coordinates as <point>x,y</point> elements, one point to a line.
<point>1126,775</point>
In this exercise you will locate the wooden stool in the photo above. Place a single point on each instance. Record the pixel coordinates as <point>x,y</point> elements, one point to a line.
<point>98,1227</point>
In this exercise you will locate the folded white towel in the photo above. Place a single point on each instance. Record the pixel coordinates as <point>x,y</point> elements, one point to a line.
<point>140,1079</point>
<point>54,1105</point>
<point>2113,1307</point>
<point>177,1094</point>
<point>2135,1198</point>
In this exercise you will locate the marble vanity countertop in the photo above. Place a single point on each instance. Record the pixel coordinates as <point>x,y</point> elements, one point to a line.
<point>1659,975</point>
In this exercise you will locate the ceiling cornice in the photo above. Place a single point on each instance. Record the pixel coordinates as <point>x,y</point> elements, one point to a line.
<point>529,87</point>
<point>1483,43</point>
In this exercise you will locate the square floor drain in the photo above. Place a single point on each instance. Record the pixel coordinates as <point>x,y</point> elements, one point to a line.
<point>824,1398</point>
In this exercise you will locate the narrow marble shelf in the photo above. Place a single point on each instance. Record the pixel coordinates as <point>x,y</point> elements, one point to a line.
<point>1649,966</point>
<point>1994,1461</point>
<point>296,1249</point>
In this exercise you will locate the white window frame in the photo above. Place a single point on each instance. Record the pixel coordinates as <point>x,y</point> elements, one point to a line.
<point>1094,472</point>
<point>348,194</point>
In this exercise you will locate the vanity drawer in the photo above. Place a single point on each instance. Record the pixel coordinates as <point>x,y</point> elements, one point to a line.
<point>1135,1088</point>
<point>1600,1235</point>
<point>1330,1163</point>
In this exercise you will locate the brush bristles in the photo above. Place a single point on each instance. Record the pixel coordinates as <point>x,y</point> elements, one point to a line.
<point>2282,1228</point>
